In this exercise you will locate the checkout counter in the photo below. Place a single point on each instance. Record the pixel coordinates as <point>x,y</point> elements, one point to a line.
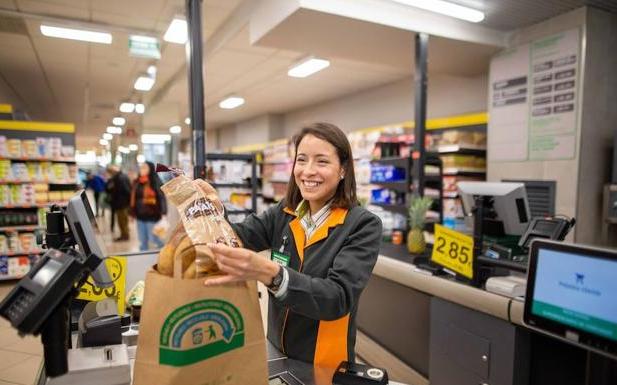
<point>443,332</point>
<point>292,372</point>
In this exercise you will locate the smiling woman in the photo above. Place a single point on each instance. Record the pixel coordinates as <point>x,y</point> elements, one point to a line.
<point>324,246</point>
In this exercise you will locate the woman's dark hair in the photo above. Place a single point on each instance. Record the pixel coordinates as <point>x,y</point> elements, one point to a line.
<point>345,195</point>
<point>153,177</point>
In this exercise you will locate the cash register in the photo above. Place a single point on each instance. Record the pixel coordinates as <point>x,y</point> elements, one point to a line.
<point>39,303</point>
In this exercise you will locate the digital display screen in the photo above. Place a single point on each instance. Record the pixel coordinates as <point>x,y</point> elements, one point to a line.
<point>576,290</point>
<point>84,199</point>
<point>46,273</point>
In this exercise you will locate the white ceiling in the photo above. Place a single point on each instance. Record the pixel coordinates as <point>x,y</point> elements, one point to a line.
<point>63,80</point>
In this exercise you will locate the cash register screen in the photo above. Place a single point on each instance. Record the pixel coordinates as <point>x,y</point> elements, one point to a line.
<point>47,272</point>
<point>571,293</point>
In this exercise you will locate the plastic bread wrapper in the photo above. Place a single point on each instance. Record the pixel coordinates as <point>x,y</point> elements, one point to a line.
<point>202,215</point>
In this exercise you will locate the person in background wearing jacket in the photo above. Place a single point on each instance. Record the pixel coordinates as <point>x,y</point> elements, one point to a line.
<point>119,191</point>
<point>148,205</point>
<point>96,183</point>
<point>324,247</point>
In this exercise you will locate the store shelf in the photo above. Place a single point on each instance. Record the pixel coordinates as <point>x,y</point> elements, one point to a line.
<point>464,171</point>
<point>10,181</point>
<point>231,185</point>
<point>22,253</point>
<point>401,185</point>
<point>23,159</point>
<point>468,149</point>
<point>34,206</point>
<point>391,160</point>
<point>10,277</point>
<point>20,228</point>
<point>394,207</point>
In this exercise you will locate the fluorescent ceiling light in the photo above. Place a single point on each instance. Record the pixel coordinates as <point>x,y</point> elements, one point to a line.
<point>307,67</point>
<point>140,108</point>
<point>231,102</point>
<point>446,8</point>
<point>141,158</point>
<point>155,138</point>
<point>133,147</point>
<point>103,142</point>
<point>187,121</point>
<point>108,136</point>
<point>144,83</point>
<point>177,32</point>
<point>175,129</point>
<point>114,130</point>
<point>118,121</point>
<point>144,39</point>
<point>151,70</point>
<point>76,34</point>
<point>127,107</point>
<point>123,149</point>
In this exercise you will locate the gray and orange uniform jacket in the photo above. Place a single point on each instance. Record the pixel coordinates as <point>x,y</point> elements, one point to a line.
<point>315,320</point>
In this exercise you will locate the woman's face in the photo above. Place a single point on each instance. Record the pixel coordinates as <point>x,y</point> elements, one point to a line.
<point>317,171</point>
<point>144,170</point>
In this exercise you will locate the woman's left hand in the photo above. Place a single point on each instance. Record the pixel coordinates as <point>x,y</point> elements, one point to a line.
<point>241,265</point>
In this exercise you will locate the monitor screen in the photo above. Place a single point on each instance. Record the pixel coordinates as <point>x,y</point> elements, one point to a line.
<point>507,211</point>
<point>571,294</point>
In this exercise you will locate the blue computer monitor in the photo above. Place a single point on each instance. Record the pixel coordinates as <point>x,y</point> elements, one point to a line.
<point>572,294</point>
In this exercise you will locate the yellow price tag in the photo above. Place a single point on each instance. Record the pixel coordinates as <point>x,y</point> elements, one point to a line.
<point>116,266</point>
<point>453,250</point>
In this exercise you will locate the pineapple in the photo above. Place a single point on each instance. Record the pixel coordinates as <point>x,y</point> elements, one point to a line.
<point>417,218</point>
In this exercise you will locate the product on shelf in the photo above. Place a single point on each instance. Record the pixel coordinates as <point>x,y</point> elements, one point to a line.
<point>463,161</point>
<point>3,148</point>
<point>55,147</point>
<point>12,242</point>
<point>18,266</point>
<point>29,149</point>
<point>19,171</point>
<point>27,242</point>
<point>4,246</point>
<point>387,196</point>
<point>4,265</point>
<point>55,196</point>
<point>13,148</point>
<point>67,151</point>
<point>387,173</point>
<point>17,218</point>
<point>5,169</point>
<point>41,144</point>
<point>462,138</point>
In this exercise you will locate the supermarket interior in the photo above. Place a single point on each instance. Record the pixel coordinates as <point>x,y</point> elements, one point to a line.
<point>482,143</point>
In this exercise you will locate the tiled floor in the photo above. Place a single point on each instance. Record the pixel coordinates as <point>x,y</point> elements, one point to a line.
<point>21,358</point>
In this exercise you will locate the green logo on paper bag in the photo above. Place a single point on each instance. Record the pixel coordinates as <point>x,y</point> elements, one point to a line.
<point>200,330</point>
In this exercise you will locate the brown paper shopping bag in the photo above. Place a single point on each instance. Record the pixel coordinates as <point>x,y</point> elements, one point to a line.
<point>191,334</point>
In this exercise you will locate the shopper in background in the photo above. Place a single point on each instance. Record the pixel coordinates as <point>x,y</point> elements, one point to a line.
<point>96,183</point>
<point>119,191</point>
<point>148,205</point>
<point>324,246</point>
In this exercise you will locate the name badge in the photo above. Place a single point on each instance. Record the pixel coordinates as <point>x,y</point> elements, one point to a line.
<point>280,258</point>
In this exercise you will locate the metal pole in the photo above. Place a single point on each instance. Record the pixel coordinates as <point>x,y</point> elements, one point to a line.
<point>421,80</point>
<point>196,86</point>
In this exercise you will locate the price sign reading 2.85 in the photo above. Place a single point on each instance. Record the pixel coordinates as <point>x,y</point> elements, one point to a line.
<point>453,250</point>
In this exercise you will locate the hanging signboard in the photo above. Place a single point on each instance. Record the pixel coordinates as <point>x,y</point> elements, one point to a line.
<point>144,46</point>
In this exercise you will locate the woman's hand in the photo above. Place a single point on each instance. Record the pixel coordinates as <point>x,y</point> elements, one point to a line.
<point>241,265</point>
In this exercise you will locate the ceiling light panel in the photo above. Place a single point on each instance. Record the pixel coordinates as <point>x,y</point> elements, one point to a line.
<point>177,32</point>
<point>127,107</point>
<point>144,83</point>
<point>308,67</point>
<point>108,136</point>
<point>76,34</point>
<point>118,121</point>
<point>140,108</point>
<point>114,130</point>
<point>231,102</point>
<point>175,129</point>
<point>446,8</point>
